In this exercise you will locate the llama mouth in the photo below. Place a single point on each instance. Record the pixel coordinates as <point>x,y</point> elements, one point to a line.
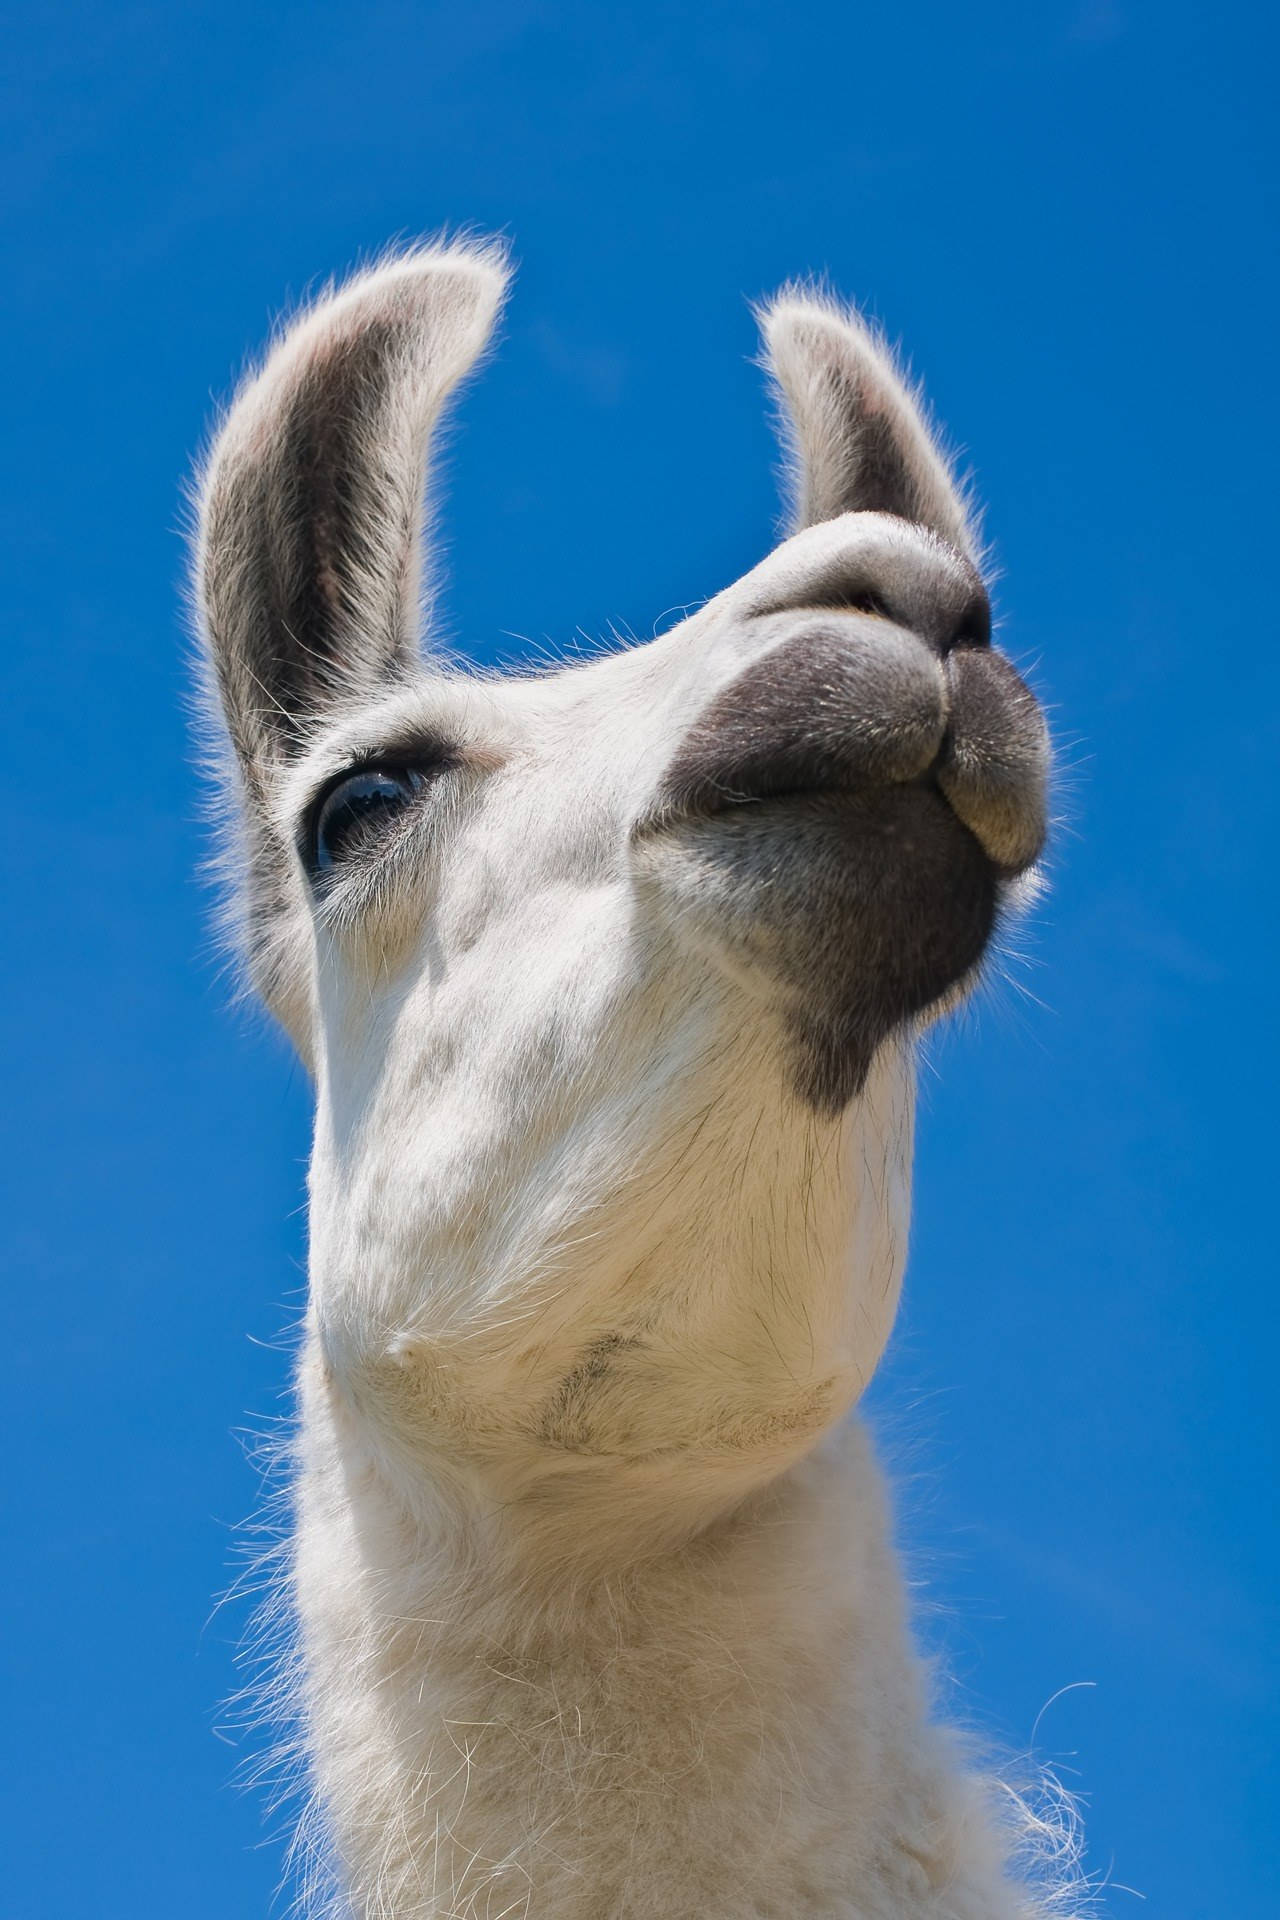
<point>838,822</point>
<point>839,714</point>
<point>729,800</point>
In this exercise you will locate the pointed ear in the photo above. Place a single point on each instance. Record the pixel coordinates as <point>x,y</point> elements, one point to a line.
<point>311,509</point>
<point>309,546</point>
<point>859,437</point>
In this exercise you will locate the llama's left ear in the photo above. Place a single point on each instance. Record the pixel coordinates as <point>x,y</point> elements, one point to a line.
<point>309,547</point>
<point>860,440</point>
<point>311,510</point>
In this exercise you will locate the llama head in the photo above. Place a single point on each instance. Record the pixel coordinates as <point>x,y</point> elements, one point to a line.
<point>607,976</point>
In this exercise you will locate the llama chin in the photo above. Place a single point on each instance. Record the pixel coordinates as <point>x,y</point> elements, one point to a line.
<point>608,978</point>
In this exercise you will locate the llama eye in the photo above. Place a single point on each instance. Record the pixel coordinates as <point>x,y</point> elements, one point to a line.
<point>356,809</point>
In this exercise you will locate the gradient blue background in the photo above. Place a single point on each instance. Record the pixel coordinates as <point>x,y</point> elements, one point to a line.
<point>1066,213</point>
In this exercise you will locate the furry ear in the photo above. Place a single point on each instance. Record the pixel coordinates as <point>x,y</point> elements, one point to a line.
<point>859,438</point>
<point>310,524</point>
<point>309,549</point>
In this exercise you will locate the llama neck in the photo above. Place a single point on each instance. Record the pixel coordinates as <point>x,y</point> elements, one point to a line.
<point>735,1728</point>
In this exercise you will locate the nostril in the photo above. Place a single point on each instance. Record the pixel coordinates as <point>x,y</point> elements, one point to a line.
<point>860,600</point>
<point>973,629</point>
<point>872,603</point>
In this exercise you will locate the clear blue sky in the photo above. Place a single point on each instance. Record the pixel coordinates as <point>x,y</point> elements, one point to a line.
<point>1066,212</point>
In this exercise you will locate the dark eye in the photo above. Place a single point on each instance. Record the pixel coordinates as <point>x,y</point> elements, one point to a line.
<point>356,809</point>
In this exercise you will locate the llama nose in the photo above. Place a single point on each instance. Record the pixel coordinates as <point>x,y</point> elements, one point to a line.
<point>943,621</point>
<point>874,565</point>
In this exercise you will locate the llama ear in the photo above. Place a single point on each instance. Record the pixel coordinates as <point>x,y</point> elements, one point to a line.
<point>859,438</point>
<point>308,550</point>
<point>311,510</point>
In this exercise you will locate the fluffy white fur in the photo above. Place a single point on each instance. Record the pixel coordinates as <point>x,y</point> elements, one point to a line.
<point>598,1611</point>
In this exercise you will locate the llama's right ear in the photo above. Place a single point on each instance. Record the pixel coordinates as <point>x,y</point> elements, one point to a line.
<point>310,528</point>
<point>859,437</point>
<point>308,552</point>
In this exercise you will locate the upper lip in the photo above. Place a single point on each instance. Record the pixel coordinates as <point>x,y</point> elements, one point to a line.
<point>832,711</point>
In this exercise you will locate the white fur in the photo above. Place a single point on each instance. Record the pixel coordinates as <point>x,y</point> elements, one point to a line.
<point>598,1610</point>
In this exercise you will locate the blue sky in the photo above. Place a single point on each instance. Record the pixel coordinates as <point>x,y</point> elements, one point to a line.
<point>1066,213</point>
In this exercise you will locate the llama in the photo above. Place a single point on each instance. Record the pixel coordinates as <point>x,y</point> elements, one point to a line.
<point>609,978</point>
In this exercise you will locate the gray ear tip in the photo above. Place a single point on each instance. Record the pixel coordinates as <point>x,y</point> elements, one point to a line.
<point>806,320</point>
<point>432,305</point>
<point>855,423</point>
<point>481,261</point>
<point>465,279</point>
